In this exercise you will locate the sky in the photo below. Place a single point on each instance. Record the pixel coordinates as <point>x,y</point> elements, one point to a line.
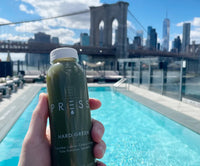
<point>68,29</point>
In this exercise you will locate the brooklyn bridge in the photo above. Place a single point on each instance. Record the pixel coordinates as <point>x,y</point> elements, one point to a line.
<point>116,11</point>
<point>46,48</point>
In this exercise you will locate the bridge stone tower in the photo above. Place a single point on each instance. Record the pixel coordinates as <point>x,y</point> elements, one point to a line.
<point>107,14</point>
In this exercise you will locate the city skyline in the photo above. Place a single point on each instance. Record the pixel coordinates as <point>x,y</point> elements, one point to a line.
<point>30,9</point>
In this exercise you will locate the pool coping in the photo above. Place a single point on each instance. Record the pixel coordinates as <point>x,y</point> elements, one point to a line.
<point>185,114</point>
<point>13,107</point>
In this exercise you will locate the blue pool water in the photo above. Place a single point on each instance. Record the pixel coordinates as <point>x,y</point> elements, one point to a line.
<point>135,135</point>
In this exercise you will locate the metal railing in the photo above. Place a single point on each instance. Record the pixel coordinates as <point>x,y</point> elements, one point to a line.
<point>119,83</point>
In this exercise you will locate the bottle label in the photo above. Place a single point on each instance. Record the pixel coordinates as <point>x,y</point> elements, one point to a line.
<point>74,105</point>
<point>72,109</point>
<point>73,148</point>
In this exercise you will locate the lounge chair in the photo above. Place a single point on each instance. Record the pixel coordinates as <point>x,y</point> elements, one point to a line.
<point>12,85</point>
<point>18,82</point>
<point>1,95</point>
<point>5,90</point>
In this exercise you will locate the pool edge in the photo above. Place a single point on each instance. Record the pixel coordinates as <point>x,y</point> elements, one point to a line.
<point>165,108</point>
<point>10,114</point>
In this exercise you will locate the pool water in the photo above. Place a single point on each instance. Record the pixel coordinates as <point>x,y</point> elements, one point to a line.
<point>135,135</point>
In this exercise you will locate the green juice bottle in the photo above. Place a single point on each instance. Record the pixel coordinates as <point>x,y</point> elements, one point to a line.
<point>70,118</point>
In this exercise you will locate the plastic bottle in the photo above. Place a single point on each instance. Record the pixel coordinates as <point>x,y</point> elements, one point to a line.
<point>70,118</point>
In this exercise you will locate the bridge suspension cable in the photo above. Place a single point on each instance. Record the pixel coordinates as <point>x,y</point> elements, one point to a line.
<point>48,18</point>
<point>137,20</point>
<point>132,30</point>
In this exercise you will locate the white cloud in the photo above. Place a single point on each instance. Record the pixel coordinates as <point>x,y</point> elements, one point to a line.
<point>33,27</point>
<point>180,24</point>
<point>4,21</point>
<point>195,35</point>
<point>23,8</point>
<point>130,25</point>
<point>65,35</point>
<point>170,45</point>
<point>196,21</point>
<point>61,7</point>
<point>9,36</point>
<point>60,27</point>
<point>115,24</point>
<point>195,29</point>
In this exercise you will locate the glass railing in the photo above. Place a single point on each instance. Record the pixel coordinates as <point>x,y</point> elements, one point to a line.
<point>172,77</point>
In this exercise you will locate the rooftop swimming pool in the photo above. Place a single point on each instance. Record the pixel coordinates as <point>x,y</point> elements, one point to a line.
<point>135,135</point>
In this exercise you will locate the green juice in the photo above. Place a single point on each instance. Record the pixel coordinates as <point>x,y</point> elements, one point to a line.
<point>70,118</point>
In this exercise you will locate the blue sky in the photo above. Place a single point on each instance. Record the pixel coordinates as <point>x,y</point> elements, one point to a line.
<point>148,12</point>
<point>153,12</point>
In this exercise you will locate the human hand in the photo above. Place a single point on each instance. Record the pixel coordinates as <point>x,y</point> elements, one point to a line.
<point>36,145</point>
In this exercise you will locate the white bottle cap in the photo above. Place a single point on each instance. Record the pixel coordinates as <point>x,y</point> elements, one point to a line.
<point>65,52</point>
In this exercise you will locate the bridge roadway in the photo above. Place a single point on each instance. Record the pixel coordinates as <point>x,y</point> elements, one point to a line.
<point>46,48</point>
<point>146,53</point>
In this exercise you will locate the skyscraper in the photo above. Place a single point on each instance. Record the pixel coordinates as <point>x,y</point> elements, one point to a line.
<point>149,28</point>
<point>55,40</point>
<point>186,36</point>
<point>137,42</point>
<point>166,29</point>
<point>153,39</point>
<point>84,39</point>
<point>42,37</point>
<point>151,42</point>
<point>140,34</point>
<point>177,44</point>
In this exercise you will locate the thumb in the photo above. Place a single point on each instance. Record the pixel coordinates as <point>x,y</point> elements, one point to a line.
<point>37,128</point>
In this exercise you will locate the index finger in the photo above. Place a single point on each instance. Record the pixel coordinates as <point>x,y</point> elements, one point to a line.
<point>94,104</point>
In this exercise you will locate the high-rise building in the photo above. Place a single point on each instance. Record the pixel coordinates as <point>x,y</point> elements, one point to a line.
<point>186,36</point>
<point>42,37</point>
<point>34,59</point>
<point>55,40</point>
<point>140,34</point>
<point>151,42</point>
<point>166,29</point>
<point>137,42</point>
<point>158,46</point>
<point>153,39</point>
<point>84,39</point>
<point>177,45</point>
<point>149,28</point>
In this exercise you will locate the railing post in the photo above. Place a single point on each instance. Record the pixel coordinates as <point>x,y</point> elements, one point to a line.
<point>182,79</point>
<point>139,73</point>
<point>18,66</point>
<point>124,69</point>
<point>164,77</point>
<point>150,74</point>
<point>132,72</point>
